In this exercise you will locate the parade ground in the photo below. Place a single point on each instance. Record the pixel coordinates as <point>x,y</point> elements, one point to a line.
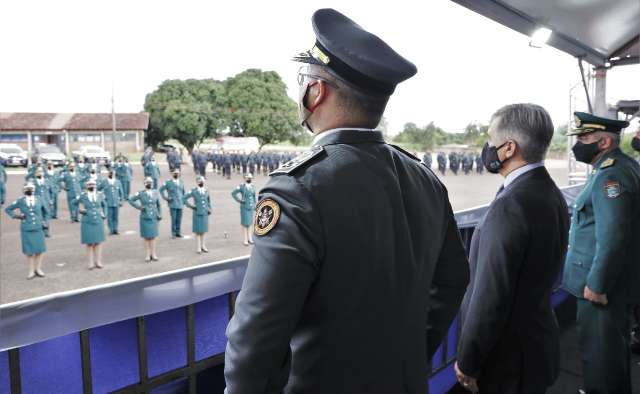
<point>65,262</point>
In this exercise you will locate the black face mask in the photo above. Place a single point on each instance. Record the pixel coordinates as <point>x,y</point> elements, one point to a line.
<point>635,143</point>
<point>39,176</point>
<point>585,152</point>
<point>28,192</point>
<point>200,184</point>
<point>90,189</point>
<point>175,176</point>
<point>490,158</point>
<point>111,176</point>
<point>147,186</point>
<point>248,180</point>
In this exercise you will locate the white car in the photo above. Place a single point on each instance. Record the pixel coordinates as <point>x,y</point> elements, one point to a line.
<point>50,154</point>
<point>92,152</point>
<point>13,155</point>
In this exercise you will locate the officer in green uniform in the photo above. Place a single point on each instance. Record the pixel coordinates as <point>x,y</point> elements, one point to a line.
<point>123,174</point>
<point>114,196</point>
<point>173,192</point>
<point>53,177</point>
<point>147,201</point>
<point>152,170</point>
<point>43,192</point>
<point>93,211</point>
<point>33,215</point>
<point>201,210</point>
<point>71,184</point>
<point>245,194</point>
<point>602,267</point>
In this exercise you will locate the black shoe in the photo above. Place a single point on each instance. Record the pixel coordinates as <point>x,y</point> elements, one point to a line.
<point>179,236</point>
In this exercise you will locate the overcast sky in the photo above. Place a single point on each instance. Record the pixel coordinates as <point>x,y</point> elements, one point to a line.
<point>64,56</point>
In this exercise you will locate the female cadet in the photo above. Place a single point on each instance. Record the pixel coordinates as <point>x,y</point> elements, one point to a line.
<point>93,211</point>
<point>201,210</point>
<point>33,213</point>
<point>245,194</point>
<point>147,202</point>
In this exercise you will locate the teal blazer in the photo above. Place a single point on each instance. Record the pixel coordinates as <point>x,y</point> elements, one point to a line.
<point>149,206</point>
<point>33,218</point>
<point>202,201</point>
<point>604,252</point>
<point>113,194</point>
<point>173,193</point>
<point>94,212</point>
<point>71,183</point>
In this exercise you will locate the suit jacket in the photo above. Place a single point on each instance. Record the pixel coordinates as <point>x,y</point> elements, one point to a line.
<point>509,336</point>
<point>355,279</point>
<point>173,193</point>
<point>201,201</point>
<point>113,193</point>
<point>34,217</point>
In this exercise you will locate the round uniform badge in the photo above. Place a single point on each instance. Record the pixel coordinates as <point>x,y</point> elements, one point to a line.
<point>267,215</point>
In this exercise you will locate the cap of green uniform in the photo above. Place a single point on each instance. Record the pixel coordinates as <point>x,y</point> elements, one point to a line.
<point>587,123</point>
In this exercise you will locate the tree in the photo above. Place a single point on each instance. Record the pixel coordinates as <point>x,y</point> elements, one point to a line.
<point>189,111</point>
<point>475,134</point>
<point>559,139</point>
<point>259,107</point>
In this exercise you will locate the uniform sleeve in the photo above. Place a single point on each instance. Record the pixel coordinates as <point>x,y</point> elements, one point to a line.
<point>134,201</point>
<point>281,270</point>
<point>502,243</point>
<point>612,207</point>
<point>10,209</point>
<point>163,190</point>
<point>235,193</point>
<point>450,281</point>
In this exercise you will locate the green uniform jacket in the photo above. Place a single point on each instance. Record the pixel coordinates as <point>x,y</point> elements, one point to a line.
<point>92,222</point>
<point>71,183</point>
<point>245,194</point>
<point>604,241</point>
<point>152,170</point>
<point>149,206</point>
<point>123,172</point>
<point>33,220</point>
<point>113,193</point>
<point>54,181</point>
<point>201,209</point>
<point>173,192</point>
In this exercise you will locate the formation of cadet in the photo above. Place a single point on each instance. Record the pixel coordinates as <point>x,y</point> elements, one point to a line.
<point>245,194</point>
<point>225,163</point>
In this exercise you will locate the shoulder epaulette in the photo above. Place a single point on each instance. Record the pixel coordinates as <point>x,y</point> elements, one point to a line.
<point>297,162</point>
<point>411,155</point>
<point>608,163</point>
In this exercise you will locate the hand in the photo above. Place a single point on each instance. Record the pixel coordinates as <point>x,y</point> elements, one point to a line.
<point>595,297</point>
<point>467,382</point>
<point>159,217</point>
<point>20,216</point>
<point>82,211</point>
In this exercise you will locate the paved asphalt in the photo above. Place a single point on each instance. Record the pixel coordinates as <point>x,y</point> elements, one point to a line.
<point>65,263</point>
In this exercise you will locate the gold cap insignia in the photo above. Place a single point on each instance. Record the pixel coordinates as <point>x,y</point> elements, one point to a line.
<point>267,215</point>
<point>577,121</point>
<point>319,55</point>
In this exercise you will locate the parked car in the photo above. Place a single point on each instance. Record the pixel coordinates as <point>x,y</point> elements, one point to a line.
<point>13,155</point>
<point>49,153</point>
<point>92,152</point>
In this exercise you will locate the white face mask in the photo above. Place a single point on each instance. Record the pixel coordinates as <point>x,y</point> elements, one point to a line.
<point>303,112</point>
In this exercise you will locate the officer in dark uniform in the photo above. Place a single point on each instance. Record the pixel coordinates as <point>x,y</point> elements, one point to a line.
<point>479,164</point>
<point>426,159</point>
<point>454,162</point>
<point>442,163</point>
<point>344,293</point>
<point>602,267</point>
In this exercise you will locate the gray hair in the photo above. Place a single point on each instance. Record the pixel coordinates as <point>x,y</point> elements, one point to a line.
<point>529,125</point>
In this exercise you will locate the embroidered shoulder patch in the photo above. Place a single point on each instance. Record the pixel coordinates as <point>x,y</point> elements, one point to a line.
<point>608,163</point>
<point>612,189</point>
<point>267,215</point>
<point>298,161</point>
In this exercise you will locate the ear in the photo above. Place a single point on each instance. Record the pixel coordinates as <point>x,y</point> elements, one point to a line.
<point>511,149</point>
<point>318,94</point>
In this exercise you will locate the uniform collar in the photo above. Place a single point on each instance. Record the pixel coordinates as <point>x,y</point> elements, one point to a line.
<point>347,136</point>
<point>513,175</point>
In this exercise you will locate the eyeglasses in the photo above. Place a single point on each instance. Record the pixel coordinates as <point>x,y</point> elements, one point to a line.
<point>302,76</point>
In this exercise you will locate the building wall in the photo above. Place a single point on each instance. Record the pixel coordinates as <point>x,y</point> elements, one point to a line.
<point>125,140</point>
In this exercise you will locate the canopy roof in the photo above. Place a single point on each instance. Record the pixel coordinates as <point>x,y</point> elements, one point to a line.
<point>598,31</point>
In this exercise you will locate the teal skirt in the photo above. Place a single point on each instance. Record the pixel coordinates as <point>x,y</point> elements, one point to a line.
<point>200,223</point>
<point>33,242</point>
<point>148,228</point>
<point>246,216</point>
<point>91,233</point>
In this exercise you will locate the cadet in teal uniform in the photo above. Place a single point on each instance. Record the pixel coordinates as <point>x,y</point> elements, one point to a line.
<point>3,181</point>
<point>31,172</point>
<point>201,210</point>
<point>245,194</point>
<point>602,267</point>
<point>94,211</point>
<point>83,172</point>
<point>53,177</point>
<point>43,191</point>
<point>147,202</point>
<point>173,192</point>
<point>114,196</point>
<point>33,215</point>
<point>123,173</point>
<point>71,184</point>
<point>152,170</point>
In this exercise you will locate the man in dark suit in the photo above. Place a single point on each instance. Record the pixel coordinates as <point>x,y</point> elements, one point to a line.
<point>509,337</point>
<point>358,268</point>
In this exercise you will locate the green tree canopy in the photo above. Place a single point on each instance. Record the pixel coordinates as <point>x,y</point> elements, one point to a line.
<point>188,111</point>
<point>259,107</point>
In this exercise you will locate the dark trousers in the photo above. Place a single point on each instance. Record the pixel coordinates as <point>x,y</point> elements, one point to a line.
<point>54,206</point>
<point>176,221</point>
<point>603,335</point>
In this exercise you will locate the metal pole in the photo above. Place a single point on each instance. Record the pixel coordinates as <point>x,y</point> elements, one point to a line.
<point>113,124</point>
<point>584,84</point>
